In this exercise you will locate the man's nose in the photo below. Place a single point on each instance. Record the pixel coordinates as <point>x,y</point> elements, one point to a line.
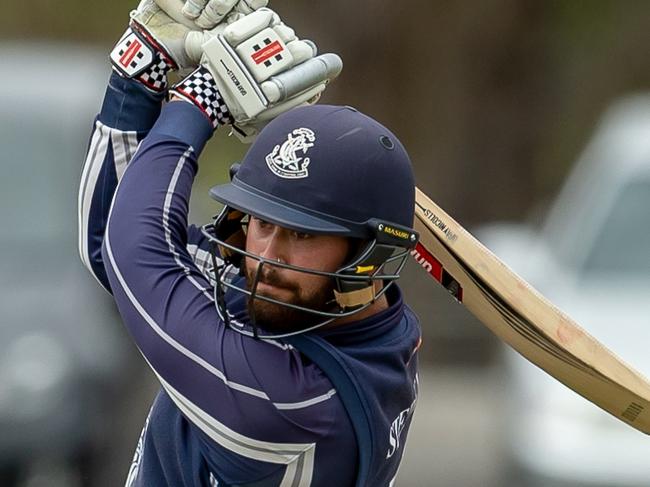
<point>274,246</point>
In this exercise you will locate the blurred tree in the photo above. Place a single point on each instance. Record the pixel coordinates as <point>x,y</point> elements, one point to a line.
<point>493,98</point>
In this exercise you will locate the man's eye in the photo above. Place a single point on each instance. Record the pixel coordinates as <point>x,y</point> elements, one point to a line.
<point>302,235</point>
<point>262,223</point>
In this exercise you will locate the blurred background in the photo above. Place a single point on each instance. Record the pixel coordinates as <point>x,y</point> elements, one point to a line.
<point>497,101</point>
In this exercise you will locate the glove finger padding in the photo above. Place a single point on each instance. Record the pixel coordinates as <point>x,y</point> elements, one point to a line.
<point>214,13</point>
<point>194,44</point>
<point>188,12</point>
<point>262,69</point>
<point>302,77</point>
<point>301,51</point>
<point>169,34</point>
<point>193,8</point>
<point>249,6</point>
<point>174,8</point>
<point>206,14</point>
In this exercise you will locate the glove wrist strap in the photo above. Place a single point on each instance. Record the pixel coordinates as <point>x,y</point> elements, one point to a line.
<point>138,56</point>
<point>200,89</point>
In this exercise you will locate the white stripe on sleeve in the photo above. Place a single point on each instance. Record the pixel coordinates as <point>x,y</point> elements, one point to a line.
<point>124,145</point>
<point>95,158</point>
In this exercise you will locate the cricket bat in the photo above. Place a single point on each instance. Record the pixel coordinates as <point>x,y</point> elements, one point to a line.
<point>524,319</point>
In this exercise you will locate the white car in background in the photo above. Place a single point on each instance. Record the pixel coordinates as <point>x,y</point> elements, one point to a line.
<point>64,354</point>
<point>592,259</point>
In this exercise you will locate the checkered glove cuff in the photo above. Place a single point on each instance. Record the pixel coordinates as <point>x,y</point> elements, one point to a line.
<point>138,56</point>
<point>200,89</point>
<point>155,78</point>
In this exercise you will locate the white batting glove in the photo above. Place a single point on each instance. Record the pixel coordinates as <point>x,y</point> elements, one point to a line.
<point>154,44</point>
<point>261,70</point>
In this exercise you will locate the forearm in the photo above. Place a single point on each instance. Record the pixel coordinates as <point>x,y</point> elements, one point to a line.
<point>128,113</point>
<point>129,106</point>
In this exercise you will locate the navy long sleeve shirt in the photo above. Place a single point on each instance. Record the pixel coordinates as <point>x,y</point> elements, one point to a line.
<point>232,410</point>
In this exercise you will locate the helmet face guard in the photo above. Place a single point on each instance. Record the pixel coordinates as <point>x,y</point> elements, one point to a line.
<point>381,260</point>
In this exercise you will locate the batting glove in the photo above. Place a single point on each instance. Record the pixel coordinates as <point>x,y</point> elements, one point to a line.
<point>159,40</point>
<point>260,69</point>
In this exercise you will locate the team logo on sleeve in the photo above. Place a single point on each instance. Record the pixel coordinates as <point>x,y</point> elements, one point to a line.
<point>288,160</point>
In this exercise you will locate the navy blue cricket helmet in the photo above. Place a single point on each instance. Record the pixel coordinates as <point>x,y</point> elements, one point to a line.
<point>325,170</point>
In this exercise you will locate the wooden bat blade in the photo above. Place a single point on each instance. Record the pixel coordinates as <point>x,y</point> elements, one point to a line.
<point>524,319</point>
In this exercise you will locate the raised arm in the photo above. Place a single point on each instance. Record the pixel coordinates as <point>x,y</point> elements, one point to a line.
<point>152,45</point>
<point>128,113</point>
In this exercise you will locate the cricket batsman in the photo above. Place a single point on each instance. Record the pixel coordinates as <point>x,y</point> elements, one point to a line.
<point>284,349</point>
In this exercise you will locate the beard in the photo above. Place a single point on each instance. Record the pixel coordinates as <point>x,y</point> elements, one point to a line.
<point>276,318</point>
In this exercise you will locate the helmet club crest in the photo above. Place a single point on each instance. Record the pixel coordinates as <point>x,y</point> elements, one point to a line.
<point>290,160</point>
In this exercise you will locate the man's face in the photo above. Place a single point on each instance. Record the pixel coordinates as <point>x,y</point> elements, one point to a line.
<point>318,252</point>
